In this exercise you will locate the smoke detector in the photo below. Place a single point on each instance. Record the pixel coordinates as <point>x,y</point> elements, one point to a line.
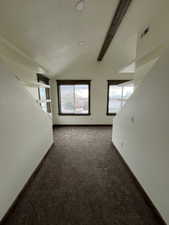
<point>80,4</point>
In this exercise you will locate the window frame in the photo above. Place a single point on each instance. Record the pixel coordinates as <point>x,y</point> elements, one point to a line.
<point>43,79</point>
<point>109,83</point>
<point>73,82</point>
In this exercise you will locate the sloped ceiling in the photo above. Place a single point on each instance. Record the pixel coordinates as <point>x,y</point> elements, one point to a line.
<point>66,41</point>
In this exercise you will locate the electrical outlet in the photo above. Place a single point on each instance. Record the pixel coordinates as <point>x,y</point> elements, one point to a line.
<point>132,119</point>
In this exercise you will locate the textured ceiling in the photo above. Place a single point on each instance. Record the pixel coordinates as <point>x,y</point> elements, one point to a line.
<point>66,41</point>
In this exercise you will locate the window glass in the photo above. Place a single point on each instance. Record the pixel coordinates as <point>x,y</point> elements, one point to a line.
<point>81,99</point>
<point>127,91</point>
<point>74,99</point>
<point>115,94</point>
<point>42,93</point>
<point>114,106</point>
<point>44,106</point>
<point>118,96</point>
<point>67,98</point>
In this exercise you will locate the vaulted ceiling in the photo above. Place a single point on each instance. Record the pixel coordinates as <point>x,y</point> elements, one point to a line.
<point>67,41</point>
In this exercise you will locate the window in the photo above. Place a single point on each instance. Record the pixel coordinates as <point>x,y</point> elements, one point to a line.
<point>44,96</point>
<point>74,97</point>
<point>118,93</point>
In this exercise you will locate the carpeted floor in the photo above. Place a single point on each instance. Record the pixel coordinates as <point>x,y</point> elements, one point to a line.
<point>82,182</point>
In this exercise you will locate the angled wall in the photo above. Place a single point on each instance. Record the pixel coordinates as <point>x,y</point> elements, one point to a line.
<point>25,137</point>
<point>141,134</point>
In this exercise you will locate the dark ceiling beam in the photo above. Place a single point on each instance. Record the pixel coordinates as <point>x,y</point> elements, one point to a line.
<point>121,10</point>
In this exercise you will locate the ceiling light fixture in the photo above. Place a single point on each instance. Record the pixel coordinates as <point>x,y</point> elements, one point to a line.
<point>80,5</point>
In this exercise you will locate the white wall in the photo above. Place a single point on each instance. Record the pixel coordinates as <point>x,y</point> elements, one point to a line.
<point>141,134</point>
<point>157,36</point>
<point>25,137</point>
<point>20,65</point>
<point>98,100</point>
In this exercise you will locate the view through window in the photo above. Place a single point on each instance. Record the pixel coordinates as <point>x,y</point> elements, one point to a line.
<point>43,98</point>
<point>44,94</point>
<point>74,98</point>
<point>118,95</point>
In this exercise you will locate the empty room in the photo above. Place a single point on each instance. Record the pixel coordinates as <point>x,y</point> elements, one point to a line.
<point>84,112</point>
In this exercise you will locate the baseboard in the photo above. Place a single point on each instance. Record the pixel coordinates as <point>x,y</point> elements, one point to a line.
<point>12,207</point>
<point>87,125</point>
<point>145,196</point>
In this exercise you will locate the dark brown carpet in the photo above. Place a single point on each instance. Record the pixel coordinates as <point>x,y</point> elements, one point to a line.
<point>82,182</point>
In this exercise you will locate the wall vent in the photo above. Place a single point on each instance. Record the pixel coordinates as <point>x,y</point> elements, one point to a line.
<point>145,32</point>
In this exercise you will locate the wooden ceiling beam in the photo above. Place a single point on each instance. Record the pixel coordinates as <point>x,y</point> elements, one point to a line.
<point>121,11</point>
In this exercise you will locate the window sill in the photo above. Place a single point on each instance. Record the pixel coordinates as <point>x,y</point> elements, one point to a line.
<point>73,114</point>
<point>111,114</point>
